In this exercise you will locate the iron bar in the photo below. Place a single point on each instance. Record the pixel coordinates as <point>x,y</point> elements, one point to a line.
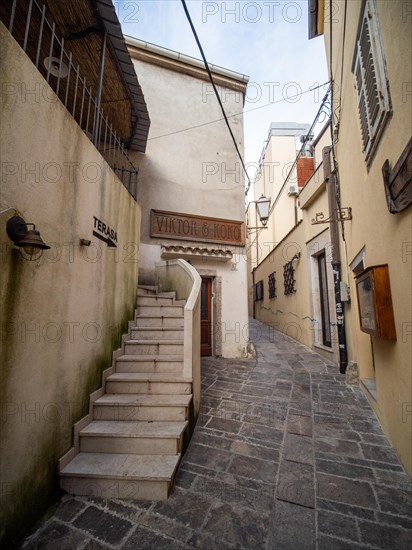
<point>50,52</point>
<point>26,34</point>
<point>68,80</point>
<point>43,15</point>
<point>13,13</point>
<point>75,91</point>
<point>60,66</point>
<point>88,109</point>
<point>99,86</point>
<point>81,108</point>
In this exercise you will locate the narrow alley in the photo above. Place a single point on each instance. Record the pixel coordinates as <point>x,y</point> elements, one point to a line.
<point>285,455</point>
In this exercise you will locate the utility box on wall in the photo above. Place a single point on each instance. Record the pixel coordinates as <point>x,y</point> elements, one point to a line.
<point>375,303</point>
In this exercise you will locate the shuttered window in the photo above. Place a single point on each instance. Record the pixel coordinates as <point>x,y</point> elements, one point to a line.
<point>372,88</point>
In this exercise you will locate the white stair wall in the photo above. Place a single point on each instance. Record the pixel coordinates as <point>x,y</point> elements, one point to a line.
<point>130,444</point>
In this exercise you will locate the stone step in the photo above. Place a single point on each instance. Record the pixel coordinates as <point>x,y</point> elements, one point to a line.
<point>161,311</point>
<point>148,383</point>
<point>149,363</point>
<point>153,347</point>
<point>145,290</point>
<point>153,438</point>
<point>124,476</point>
<point>147,321</point>
<point>150,333</point>
<point>154,300</point>
<point>138,407</point>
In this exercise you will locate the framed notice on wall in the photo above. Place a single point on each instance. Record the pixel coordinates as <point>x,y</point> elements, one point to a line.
<point>375,303</point>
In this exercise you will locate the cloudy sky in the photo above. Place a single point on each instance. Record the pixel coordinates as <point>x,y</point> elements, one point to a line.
<point>265,40</point>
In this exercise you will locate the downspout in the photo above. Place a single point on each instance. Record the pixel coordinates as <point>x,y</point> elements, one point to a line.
<point>253,293</point>
<point>330,180</point>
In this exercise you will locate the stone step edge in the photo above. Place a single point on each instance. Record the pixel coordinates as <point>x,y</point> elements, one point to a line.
<point>155,342</point>
<point>152,358</point>
<point>122,474</point>
<point>151,401</point>
<point>159,377</point>
<point>180,428</point>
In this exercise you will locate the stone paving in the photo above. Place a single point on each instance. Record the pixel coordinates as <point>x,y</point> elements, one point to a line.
<point>285,456</point>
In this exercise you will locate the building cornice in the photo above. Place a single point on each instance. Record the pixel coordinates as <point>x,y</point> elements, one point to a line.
<point>181,63</point>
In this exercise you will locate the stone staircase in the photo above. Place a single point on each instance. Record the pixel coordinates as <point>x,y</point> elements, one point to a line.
<point>130,444</point>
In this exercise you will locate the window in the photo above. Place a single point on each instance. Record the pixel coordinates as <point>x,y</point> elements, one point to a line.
<point>289,278</point>
<point>272,285</point>
<point>372,88</point>
<point>259,291</point>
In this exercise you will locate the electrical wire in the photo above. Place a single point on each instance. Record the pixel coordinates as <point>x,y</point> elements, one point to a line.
<point>323,105</point>
<point>238,114</point>
<point>215,90</point>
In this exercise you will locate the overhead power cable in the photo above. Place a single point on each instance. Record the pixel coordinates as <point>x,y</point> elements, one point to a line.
<point>215,90</point>
<point>324,100</point>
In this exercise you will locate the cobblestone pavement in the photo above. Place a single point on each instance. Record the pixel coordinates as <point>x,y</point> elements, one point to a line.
<point>285,456</point>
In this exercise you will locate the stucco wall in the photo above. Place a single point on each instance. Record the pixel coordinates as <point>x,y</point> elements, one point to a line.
<point>291,314</point>
<point>62,315</point>
<point>386,237</point>
<point>191,166</point>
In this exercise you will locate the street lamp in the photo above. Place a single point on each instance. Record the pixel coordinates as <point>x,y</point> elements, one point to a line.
<point>263,210</point>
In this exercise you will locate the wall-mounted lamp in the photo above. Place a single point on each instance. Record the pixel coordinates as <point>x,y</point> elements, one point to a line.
<point>29,240</point>
<point>85,242</point>
<point>263,209</point>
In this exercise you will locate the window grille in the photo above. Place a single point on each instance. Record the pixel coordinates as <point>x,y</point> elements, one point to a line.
<point>272,285</point>
<point>289,278</point>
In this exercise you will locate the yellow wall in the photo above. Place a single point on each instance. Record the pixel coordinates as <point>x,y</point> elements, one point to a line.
<point>386,237</point>
<point>61,316</point>
<point>290,314</point>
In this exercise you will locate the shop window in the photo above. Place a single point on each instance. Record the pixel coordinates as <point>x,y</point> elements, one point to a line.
<point>372,88</point>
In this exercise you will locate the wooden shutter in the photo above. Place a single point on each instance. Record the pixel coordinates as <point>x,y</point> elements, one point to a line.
<point>370,78</point>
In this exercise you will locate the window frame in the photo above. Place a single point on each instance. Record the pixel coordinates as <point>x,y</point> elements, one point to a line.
<point>259,291</point>
<point>373,109</point>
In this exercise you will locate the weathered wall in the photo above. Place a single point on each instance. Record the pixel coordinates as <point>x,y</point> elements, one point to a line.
<point>191,166</point>
<point>290,313</point>
<point>62,315</point>
<point>386,237</point>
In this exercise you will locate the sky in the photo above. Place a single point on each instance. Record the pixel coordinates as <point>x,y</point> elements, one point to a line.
<point>265,40</point>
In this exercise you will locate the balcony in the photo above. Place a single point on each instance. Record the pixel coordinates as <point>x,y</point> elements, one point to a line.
<point>79,49</point>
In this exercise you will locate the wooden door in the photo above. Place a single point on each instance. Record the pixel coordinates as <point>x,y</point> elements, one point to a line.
<point>206,317</point>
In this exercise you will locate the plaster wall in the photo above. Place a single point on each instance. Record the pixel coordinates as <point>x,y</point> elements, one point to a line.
<point>62,315</point>
<point>191,167</point>
<point>384,236</point>
<point>291,314</point>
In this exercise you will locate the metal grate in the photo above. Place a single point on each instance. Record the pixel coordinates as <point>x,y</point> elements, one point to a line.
<point>272,285</point>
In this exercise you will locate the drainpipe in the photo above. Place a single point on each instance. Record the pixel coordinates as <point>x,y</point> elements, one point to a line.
<point>253,293</point>
<point>330,180</point>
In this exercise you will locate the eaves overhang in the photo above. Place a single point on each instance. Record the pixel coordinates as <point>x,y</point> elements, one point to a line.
<point>316,17</point>
<point>140,117</point>
<point>182,63</point>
